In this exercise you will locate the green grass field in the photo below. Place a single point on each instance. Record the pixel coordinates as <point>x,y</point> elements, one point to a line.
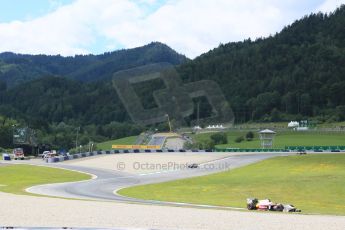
<point>313,183</point>
<point>282,139</point>
<point>123,141</point>
<point>16,178</point>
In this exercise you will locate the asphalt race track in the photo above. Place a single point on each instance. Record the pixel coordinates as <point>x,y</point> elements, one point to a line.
<point>107,181</point>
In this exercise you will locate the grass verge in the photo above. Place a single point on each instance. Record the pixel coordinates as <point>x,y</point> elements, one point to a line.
<point>313,183</point>
<point>16,178</point>
<point>122,141</point>
<point>282,139</point>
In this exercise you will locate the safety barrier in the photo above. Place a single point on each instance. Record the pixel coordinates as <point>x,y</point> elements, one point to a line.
<point>315,148</point>
<point>117,151</point>
<point>249,150</point>
<point>286,149</point>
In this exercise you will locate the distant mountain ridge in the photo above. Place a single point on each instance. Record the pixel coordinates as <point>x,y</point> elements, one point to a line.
<point>16,69</point>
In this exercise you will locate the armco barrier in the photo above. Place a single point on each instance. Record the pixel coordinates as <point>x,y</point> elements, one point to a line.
<point>314,148</point>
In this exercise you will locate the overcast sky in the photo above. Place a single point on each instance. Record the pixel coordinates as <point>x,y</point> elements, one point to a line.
<point>191,27</point>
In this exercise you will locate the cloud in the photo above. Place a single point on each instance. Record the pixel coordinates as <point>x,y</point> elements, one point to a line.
<point>189,26</point>
<point>67,31</point>
<point>330,5</point>
<point>195,28</point>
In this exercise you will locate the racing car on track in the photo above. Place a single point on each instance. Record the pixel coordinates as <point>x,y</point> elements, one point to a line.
<point>268,205</point>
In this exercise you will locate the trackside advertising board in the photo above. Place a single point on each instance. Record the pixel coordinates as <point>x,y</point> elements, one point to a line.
<point>136,146</point>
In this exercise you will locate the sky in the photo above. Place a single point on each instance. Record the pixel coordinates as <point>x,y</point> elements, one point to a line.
<point>191,27</point>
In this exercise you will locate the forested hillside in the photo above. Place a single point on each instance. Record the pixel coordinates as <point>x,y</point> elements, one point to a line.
<point>56,106</point>
<point>16,69</point>
<point>297,72</point>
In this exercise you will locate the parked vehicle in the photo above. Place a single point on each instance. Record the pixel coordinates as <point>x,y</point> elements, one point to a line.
<point>49,155</point>
<point>6,157</point>
<point>18,153</point>
<point>44,154</point>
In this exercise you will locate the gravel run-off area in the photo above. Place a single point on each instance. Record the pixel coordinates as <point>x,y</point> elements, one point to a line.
<point>29,211</point>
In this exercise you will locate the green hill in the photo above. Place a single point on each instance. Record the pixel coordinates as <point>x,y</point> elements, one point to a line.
<point>16,69</point>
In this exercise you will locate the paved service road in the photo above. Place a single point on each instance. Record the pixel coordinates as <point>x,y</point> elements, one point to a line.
<point>108,181</point>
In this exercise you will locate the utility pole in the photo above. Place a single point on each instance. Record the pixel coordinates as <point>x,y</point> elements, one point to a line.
<point>76,139</point>
<point>167,115</point>
<point>198,112</point>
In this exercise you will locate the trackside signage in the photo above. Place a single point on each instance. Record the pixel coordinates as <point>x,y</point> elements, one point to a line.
<point>136,146</point>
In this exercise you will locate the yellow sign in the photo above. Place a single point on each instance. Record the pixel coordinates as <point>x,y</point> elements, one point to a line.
<point>135,146</point>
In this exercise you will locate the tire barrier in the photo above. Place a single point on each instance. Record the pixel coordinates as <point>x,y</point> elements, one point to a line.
<point>316,148</point>
<point>88,154</point>
<point>249,150</point>
<point>117,151</point>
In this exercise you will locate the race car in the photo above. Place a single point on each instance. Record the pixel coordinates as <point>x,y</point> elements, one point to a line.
<point>268,205</point>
